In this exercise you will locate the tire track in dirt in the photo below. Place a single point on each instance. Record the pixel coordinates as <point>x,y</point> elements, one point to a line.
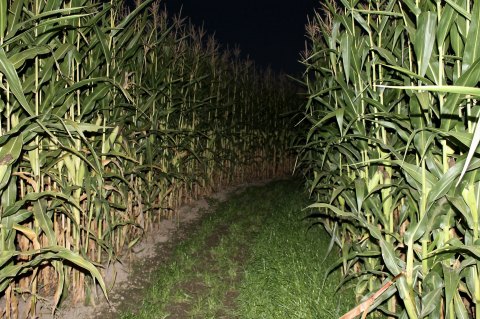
<point>210,263</point>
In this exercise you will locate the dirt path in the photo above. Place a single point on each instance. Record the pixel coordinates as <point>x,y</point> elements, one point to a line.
<point>204,275</point>
<point>209,262</point>
<point>137,270</point>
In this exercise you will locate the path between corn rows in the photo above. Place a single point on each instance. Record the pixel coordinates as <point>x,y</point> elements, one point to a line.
<point>199,268</point>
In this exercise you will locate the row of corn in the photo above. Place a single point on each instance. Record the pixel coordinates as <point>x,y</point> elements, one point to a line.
<point>390,151</point>
<point>111,116</point>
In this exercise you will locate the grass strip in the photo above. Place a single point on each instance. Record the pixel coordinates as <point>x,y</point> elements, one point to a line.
<point>251,258</point>
<point>285,277</point>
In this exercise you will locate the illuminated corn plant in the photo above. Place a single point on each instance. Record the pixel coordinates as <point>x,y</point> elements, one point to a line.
<point>110,118</point>
<point>392,114</point>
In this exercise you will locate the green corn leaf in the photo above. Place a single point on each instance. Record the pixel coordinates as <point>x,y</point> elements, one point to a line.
<point>471,151</point>
<point>465,90</point>
<point>388,252</point>
<point>19,59</point>
<point>361,21</point>
<point>424,40</point>
<point>16,12</point>
<point>360,189</point>
<point>431,301</point>
<point>462,207</point>
<point>67,12</point>
<point>90,101</point>
<point>418,228</point>
<point>413,8</point>
<point>352,256</point>
<point>19,217</point>
<point>337,113</point>
<point>389,257</point>
<point>471,52</point>
<point>452,99</point>
<point>111,139</point>
<point>446,21</point>
<point>6,256</point>
<point>44,221</point>
<point>133,45</point>
<point>459,9</point>
<point>378,12</point>
<point>464,138</point>
<point>451,280</point>
<point>446,183</point>
<point>50,253</point>
<point>415,172</point>
<point>456,42</point>
<point>417,120</point>
<point>336,192</point>
<point>9,194</point>
<point>469,79</point>
<point>3,18</point>
<point>62,50</point>
<point>385,18</point>
<point>346,49</point>
<point>124,37</point>
<point>455,246</point>
<point>388,56</point>
<point>334,209</point>
<point>122,25</point>
<point>42,39</point>
<point>71,127</point>
<point>460,310</point>
<point>9,153</point>
<point>83,264</point>
<point>469,270</point>
<point>32,197</point>
<point>102,39</point>
<point>52,5</point>
<point>407,72</point>
<point>7,68</point>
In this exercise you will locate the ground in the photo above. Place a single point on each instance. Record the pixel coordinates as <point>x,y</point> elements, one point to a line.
<point>133,275</point>
<point>251,256</point>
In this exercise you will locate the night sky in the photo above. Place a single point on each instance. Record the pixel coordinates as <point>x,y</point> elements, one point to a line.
<point>271,32</point>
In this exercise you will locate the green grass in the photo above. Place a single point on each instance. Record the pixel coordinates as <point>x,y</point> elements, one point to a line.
<point>286,272</point>
<point>255,242</point>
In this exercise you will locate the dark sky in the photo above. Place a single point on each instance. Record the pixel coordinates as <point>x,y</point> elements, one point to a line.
<point>271,32</point>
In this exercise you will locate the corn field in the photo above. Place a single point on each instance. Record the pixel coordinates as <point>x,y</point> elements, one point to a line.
<point>390,150</point>
<point>110,118</point>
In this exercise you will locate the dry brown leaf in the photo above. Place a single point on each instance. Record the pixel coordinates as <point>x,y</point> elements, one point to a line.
<point>364,306</point>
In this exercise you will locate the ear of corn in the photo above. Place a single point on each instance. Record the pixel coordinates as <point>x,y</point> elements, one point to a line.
<point>392,116</point>
<point>110,118</point>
